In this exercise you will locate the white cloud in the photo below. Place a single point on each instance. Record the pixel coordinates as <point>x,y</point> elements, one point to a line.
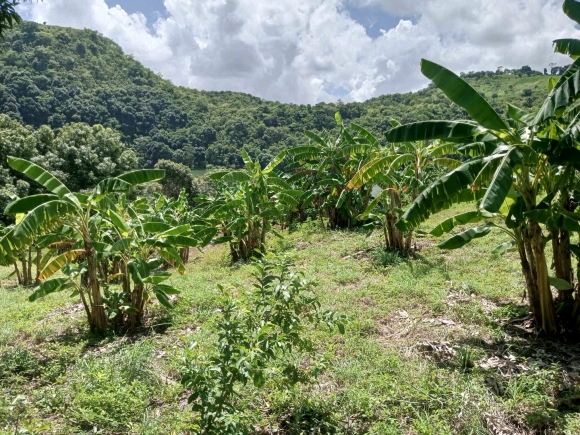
<point>314,51</point>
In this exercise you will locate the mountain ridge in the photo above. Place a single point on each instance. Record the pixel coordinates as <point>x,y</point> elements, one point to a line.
<point>52,75</point>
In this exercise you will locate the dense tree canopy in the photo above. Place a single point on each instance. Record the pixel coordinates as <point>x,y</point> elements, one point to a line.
<point>79,154</point>
<point>54,76</point>
<point>178,177</point>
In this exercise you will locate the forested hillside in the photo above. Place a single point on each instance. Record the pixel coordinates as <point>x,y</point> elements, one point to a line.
<point>54,76</point>
<point>376,277</point>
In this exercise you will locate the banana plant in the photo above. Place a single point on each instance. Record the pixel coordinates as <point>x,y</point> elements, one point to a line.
<point>569,46</point>
<point>80,213</point>
<point>176,212</point>
<point>248,204</point>
<point>396,173</point>
<point>19,254</point>
<point>27,254</point>
<point>511,164</point>
<point>324,167</point>
<point>144,239</point>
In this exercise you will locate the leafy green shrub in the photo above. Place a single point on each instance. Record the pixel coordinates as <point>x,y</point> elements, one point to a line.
<point>260,335</point>
<point>15,417</point>
<point>106,238</point>
<point>59,358</point>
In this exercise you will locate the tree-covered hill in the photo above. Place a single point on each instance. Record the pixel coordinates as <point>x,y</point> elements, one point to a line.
<point>54,76</point>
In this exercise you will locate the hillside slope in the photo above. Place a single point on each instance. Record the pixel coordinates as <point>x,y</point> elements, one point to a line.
<point>435,346</point>
<point>54,75</point>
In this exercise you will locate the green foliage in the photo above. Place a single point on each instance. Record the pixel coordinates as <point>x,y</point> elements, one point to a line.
<point>465,237</point>
<point>462,94</point>
<point>564,93</point>
<point>572,9</point>
<point>246,205</point>
<point>8,15</point>
<point>106,239</point>
<point>387,257</point>
<point>19,362</point>
<point>431,130</point>
<point>261,337</point>
<point>178,177</point>
<point>54,76</point>
<point>398,174</point>
<point>513,164</point>
<point>322,171</point>
<point>381,380</point>
<point>452,188</point>
<point>79,155</point>
<point>570,47</point>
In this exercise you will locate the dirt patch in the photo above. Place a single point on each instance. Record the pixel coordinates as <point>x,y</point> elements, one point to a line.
<point>367,301</point>
<point>9,284</point>
<point>359,255</point>
<point>422,244</point>
<point>69,311</point>
<point>415,328</point>
<point>500,424</point>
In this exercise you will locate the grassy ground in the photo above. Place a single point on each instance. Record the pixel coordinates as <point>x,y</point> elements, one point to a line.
<point>434,347</point>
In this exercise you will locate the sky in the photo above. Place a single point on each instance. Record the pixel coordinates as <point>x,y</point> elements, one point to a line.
<point>318,50</point>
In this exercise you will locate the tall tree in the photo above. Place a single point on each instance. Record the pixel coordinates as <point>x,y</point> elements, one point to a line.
<point>178,177</point>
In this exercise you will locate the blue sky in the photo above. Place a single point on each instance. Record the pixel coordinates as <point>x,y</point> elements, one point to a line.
<point>373,18</point>
<point>152,9</point>
<point>318,50</point>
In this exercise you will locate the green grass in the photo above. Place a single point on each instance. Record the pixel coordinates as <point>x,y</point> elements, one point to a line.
<point>429,350</point>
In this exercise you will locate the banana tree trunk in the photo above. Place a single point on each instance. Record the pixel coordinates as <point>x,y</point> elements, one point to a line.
<point>29,265</point>
<point>548,312</point>
<point>18,274</point>
<point>137,302</point>
<point>85,305</point>
<point>390,231</point>
<point>116,267</point>
<point>263,236</point>
<point>38,259</point>
<point>25,280</point>
<point>254,240</point>
<point>121,267</point>
<point>528,266</point>
<point>126,282</point>
<point>234,252</point>
<point>98,314</point>
<point>333,218</point>
<point>575,321</point>
<point>408,241</point>
<point>386,234</point>
<point>104,270</point>
<point>398,240</point>
<point>184,254</point>
<point>531,288</point>
<point>562,265</point>
<point>562,260</point>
